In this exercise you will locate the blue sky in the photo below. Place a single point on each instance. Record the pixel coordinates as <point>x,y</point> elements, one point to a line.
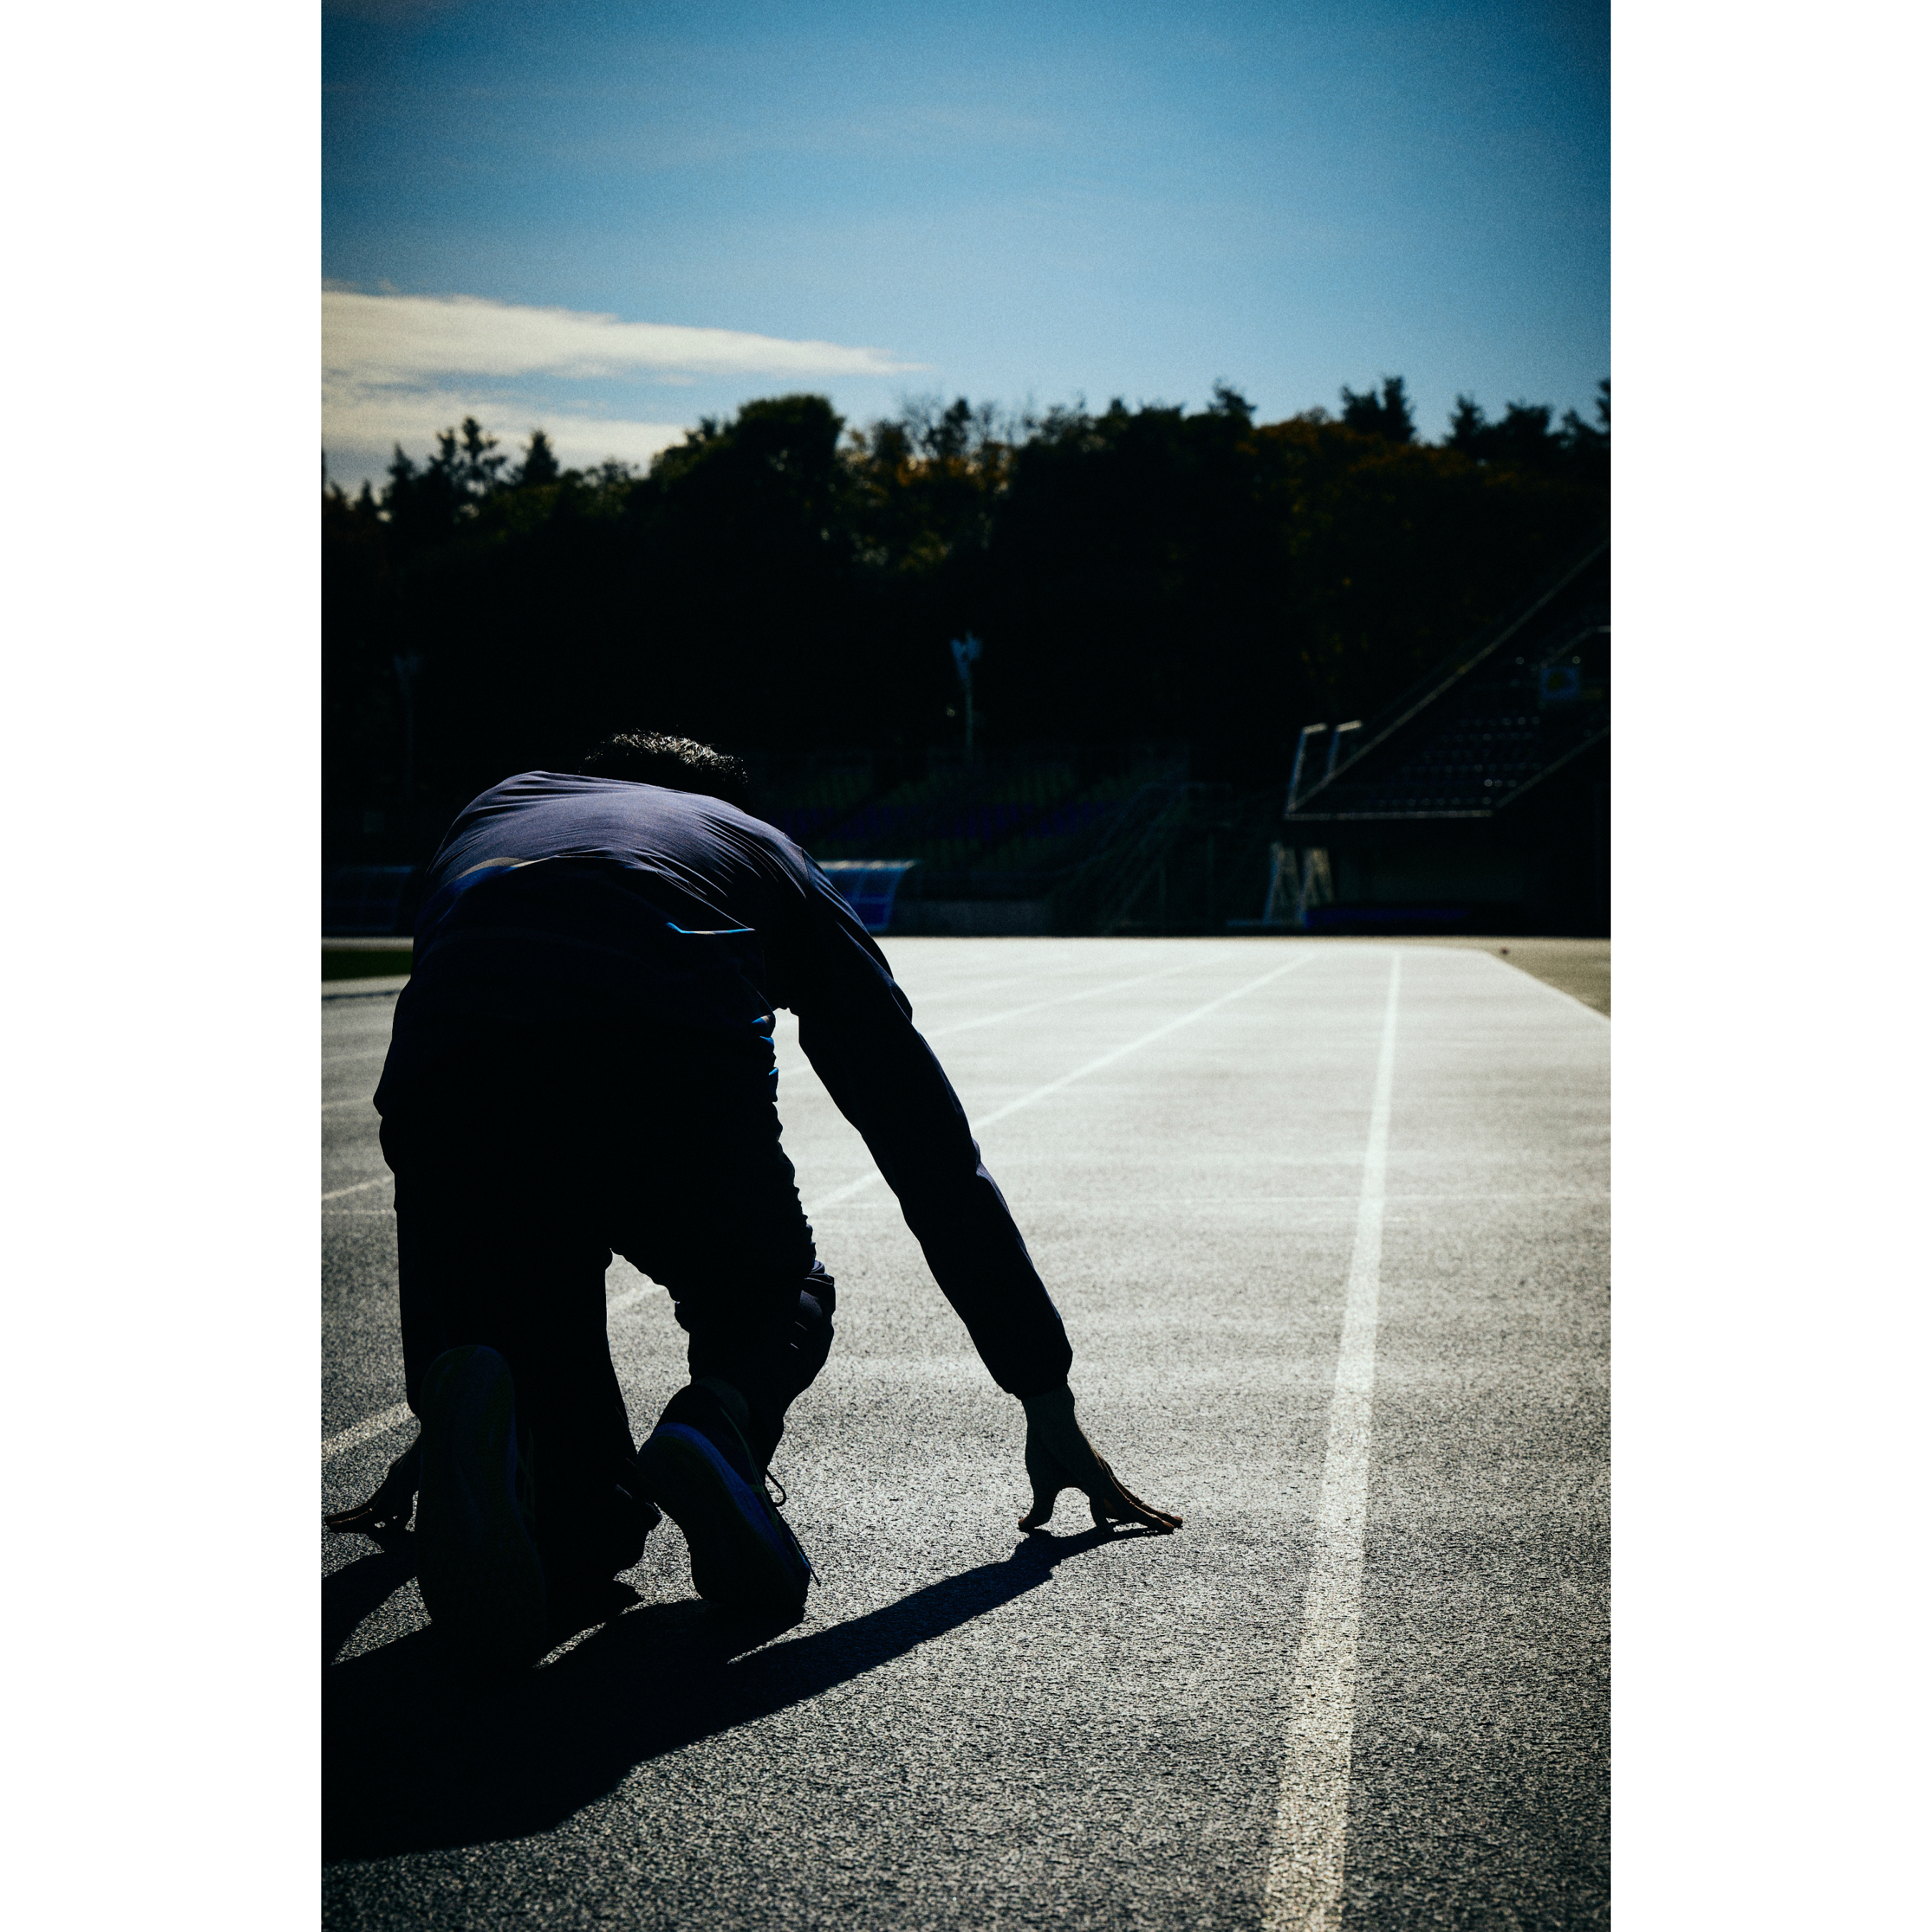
<point>611,219</point>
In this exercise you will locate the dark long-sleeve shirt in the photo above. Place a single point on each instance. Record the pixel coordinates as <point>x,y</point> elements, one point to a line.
<point>558,902</point>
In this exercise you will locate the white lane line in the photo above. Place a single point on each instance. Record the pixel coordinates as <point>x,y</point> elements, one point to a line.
<point>633,1298</point>
<point>982,1121</point>
<point>1187,965</point>
<point>374,1425</point>
<point>365,1431</point>
<point>358,1188</point>
<point>1216,1204</point>
<point>939,995</point>
<point>1043,965</point>
<point>1311,1828</point>
<point>804,1067</point>
<point>1161,1032</point>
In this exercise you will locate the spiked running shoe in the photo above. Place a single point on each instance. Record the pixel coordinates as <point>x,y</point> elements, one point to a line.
<point>476,1559</point>
<point>698,1467</point>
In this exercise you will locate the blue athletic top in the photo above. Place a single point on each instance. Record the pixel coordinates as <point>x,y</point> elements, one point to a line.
<point>600,905</point>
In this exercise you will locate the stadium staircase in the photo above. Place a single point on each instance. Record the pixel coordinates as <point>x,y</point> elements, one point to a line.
<point>1127,863</point>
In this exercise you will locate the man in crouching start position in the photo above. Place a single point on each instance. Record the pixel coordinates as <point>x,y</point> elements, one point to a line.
<point>583,1061</point>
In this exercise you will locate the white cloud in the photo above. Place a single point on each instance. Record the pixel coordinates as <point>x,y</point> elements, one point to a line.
<point>360,427</point>
<point>397,369</point>
<point>385,340</point>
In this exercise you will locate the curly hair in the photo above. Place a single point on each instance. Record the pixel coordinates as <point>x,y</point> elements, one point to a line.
<point>679,764</point>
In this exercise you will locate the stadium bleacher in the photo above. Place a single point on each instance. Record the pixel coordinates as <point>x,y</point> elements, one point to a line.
<point>1477,746</point>
<point>1480,795</point>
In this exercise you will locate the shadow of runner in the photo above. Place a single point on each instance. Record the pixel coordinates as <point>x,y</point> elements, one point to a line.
<point>419,1755</point>
<point>359,1588</point>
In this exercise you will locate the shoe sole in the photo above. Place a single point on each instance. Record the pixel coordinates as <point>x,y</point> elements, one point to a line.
<point>740,1558</point>
<point>481,1580</point>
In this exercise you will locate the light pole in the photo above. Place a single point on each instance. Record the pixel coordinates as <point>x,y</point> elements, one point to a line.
<point>965,655</point>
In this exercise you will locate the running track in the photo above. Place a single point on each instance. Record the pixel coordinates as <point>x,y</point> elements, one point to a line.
<point>1328,1225</point>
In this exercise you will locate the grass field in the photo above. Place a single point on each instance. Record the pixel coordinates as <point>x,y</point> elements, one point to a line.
<point>365,958</point>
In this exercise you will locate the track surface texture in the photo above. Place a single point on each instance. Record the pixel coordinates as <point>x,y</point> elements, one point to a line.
<point>975,1727</point>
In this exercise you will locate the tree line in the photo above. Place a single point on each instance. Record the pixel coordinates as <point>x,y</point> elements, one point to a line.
<point>781,580</point>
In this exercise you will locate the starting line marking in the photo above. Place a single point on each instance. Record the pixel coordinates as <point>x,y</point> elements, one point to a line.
<point>1311,1830</point>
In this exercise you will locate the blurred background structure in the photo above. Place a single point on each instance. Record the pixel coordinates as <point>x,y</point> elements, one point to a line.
<point>651,338</point>
<point>1140,671</point>
<point>1479,800</point>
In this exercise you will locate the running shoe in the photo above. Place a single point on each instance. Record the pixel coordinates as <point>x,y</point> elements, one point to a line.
<point>699,1469</point>
<point>476,1555</point>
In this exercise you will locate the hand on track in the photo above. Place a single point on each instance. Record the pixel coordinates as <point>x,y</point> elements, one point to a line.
<point>391,1507</point>
<point>1059,1457</point>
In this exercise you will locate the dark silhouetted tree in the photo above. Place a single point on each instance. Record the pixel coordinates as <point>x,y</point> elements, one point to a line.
<point>777,582</point>
<point>1390,418</point>
<point>1467,423</point>
<point>1228,401</point>
<point>539,465</point>
<point>1580,437</point>
<point>1525,439</point>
